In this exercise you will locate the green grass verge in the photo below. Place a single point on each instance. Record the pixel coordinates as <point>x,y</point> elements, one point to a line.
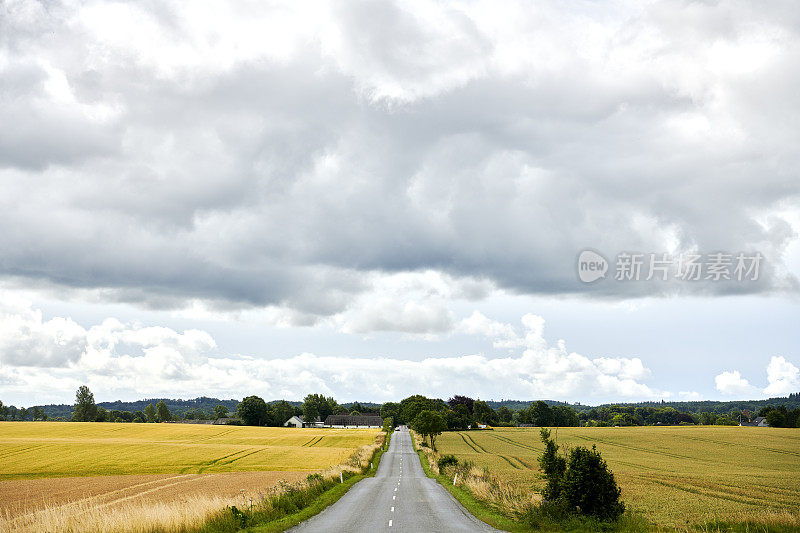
<point>227,519</point>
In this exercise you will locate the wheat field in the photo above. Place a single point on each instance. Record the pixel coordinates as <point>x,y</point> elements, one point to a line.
<point>673,475</point>
<point>60,449</point>
<point>144,477</point>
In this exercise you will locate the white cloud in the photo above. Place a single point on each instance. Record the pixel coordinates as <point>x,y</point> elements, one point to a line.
<point>132,360</point>
<point>503,335</point>
<point>733,383</point>
<point>783,377</point>
<point>26,339</point>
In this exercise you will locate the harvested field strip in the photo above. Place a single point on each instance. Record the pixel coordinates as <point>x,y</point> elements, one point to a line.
<point>143,493</point>
<point>315,443</point>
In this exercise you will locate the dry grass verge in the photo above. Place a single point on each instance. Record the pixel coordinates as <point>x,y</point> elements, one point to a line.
<point>505,497</point>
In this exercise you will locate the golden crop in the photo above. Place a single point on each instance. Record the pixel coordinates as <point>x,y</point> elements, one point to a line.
<point>60,449</point>
<point>672,475</point>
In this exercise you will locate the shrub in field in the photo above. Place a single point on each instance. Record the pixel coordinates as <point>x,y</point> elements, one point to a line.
<point>446,460</point>
<point>582,482</point>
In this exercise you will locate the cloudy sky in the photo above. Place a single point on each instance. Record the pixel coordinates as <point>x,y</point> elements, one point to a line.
<point>375,199</point>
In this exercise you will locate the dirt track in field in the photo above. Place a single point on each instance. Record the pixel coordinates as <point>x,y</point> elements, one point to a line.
<point>20,496</point>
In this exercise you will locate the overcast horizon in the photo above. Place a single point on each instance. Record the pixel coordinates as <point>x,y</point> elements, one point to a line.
<point>376,199</point>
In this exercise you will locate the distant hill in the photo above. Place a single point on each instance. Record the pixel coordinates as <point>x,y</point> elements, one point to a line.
<point>791,402</point>
<point>179,407</point>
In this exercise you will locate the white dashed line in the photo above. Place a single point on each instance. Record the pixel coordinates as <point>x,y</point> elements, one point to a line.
<point>394,497</point>
<point>390,523</point>
<point>392,509</point>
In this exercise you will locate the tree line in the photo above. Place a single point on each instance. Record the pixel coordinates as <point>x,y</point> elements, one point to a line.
<point>456,413</point>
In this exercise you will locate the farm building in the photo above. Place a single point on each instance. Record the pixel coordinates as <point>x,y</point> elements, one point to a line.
<point>354,421</point>
<point>297,422</point>
<point>758,421</point>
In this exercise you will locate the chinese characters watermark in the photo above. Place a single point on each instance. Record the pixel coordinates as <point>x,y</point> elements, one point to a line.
<point>715,266</point>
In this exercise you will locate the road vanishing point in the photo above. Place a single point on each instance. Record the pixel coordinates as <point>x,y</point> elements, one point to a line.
<point>399,498</point>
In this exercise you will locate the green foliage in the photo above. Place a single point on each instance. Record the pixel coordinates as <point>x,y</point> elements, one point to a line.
<point>391,410</point>
<point>725,421</point>
<point>388,424</point>
<point>85,408</point>
<point>429,424</point>
<point>553,466</point>
<point>220,411</point>
<point>162,412</point>
<point>504,414</point>
<point>150,413</point>
<point>253,411</point>
<point>483,414</point>
<point>590,486</point>
<point>580,483</point>
<point>317,405</point>
<point>541,414</point>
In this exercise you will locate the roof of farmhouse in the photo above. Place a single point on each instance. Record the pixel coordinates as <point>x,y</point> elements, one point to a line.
<point>353,420</point>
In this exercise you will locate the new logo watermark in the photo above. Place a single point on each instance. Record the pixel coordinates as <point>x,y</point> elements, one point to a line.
<point>716,266</point>
<point>591,266</point>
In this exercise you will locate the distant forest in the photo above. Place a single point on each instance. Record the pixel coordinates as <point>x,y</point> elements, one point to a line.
<point>502,412</point>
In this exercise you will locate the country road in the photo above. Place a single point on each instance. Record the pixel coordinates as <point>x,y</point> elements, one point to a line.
<point>400,498</point>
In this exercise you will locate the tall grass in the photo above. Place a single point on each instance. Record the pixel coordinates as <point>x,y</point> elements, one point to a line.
<point>501,495</point>
<point>131,516</point>
<point>198,513</point>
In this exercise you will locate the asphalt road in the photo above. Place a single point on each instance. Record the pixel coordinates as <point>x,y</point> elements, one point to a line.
<point>400,498</point>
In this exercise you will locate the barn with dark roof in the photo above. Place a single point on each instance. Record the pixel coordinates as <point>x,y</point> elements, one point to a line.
<point>354,421</point>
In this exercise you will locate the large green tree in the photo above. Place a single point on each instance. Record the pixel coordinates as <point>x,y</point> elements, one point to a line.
<point>321,405</point>
<point>150,413</point>
<point>429,424</point>
<point>85,408</point>
<point>220,411</point>
<point>390,410</point>
<point>283,411</point>
<point>253,411</point>
<point>162,412</point>
<point>504,414</point>
<point>482,413</point>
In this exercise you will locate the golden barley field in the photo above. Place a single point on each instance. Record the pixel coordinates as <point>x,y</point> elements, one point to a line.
<point>674,476</point>
<point>139,477</point>
<point>67,449</point>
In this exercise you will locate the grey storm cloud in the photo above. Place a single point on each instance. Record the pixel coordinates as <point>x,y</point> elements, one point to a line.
<point>163,154</point>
